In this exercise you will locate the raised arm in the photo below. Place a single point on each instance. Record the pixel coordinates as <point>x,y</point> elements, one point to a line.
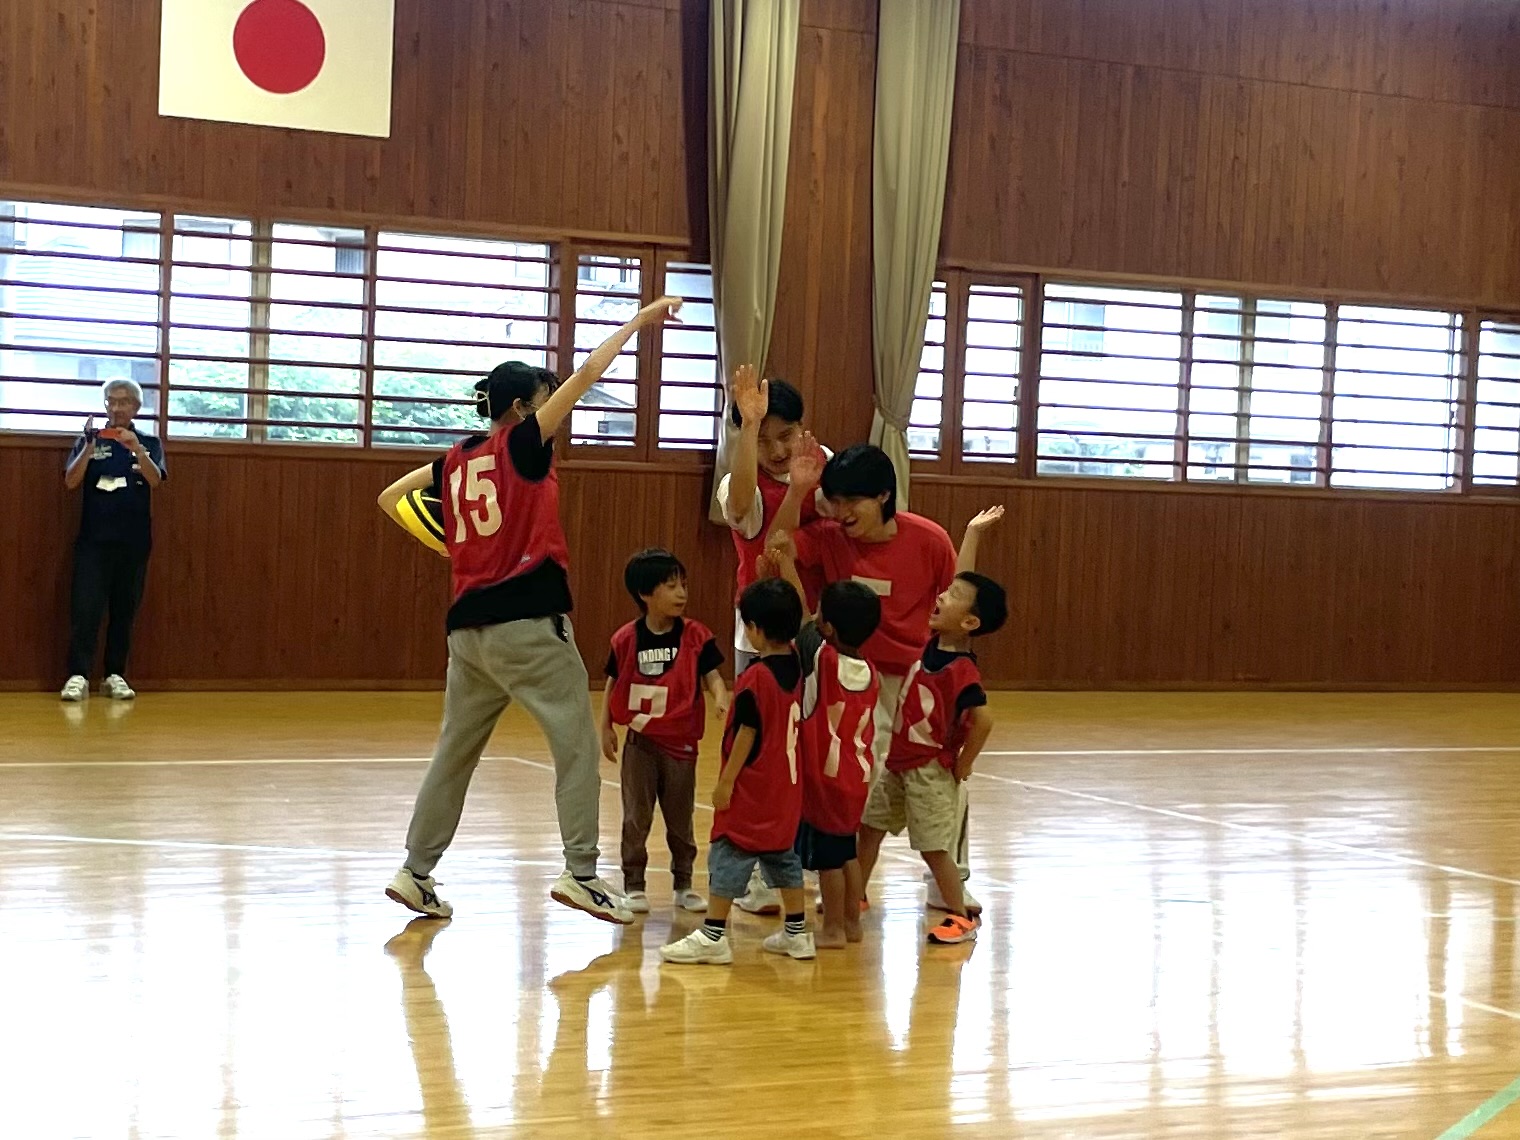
<point>751,395</point>
<point>805,471</point>
<point>965,562</point>
<point>568,394</point>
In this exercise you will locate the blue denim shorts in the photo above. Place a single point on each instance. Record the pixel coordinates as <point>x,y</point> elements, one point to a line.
<point>729,868</point>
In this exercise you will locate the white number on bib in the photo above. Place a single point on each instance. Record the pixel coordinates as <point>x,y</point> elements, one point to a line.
<point>647,703</point>
<point>480,493</point>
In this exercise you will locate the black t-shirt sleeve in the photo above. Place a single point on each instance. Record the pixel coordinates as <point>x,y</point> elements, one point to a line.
<point>79,446</point>
<point>611,669</point>
<point>971,697</point>
<point>746,711</point>
<point>436,490</point>
<point>155,450</point>
<point>710,659</point>
<point>809,642</point>
<point>531,454</point>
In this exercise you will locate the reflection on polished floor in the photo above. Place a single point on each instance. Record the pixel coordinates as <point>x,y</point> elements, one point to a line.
<point>1207,916</point>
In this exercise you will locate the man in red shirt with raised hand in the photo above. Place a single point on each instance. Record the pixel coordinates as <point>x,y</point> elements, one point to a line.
<point>509,636</point>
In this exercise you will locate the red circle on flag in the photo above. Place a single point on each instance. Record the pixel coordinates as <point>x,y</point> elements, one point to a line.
<point>279,45</point>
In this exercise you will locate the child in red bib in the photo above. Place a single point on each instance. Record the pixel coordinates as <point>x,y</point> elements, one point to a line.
<point>838,704</point>
<point>656,671</point>
<point>941,725</point>
<point>758,801</point>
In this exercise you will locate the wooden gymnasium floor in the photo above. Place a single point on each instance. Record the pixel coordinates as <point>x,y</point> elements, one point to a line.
<point>1207,916</point>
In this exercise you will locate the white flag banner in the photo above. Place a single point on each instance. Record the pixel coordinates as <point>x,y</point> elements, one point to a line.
<point>314,65</point>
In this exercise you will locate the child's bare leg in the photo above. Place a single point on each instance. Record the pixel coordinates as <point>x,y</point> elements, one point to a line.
<point>718,907</point>
<point>948,876</point>
<point>868,847</point>
<point>794,901</point>
<point>854,891</point>
<point>835,908</point>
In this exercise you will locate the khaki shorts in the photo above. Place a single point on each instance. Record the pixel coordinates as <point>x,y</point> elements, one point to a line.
<point>926,801</point>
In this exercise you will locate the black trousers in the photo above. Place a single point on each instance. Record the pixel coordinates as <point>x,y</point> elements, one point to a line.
<point>108,577</point>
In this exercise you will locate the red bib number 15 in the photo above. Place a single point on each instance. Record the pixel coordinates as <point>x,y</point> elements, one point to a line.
<point>474,478</point>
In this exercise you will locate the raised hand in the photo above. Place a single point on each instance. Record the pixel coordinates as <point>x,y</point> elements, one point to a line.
<point>89,428</point>
<point>986,519</point>
<point>807,463</point>
<point>665,309</point>
<point>751,394</point>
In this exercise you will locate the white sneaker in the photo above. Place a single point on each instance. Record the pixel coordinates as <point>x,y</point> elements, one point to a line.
<point>690,900</point>
<point>76,688</point>
<point>936,899</point>
<point>638,902</point>
<point>593,896</point>
<point>417,894</point>
<point>798,946</point>
<point>759,898</point>
<point>115,686</point>
<point>696,949</point>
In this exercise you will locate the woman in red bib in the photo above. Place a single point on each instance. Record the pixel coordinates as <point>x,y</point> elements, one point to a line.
<point>509,634</point>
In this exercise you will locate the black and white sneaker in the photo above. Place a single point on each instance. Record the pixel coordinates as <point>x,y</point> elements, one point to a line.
<point>593,896</point>
<point>420,895</point>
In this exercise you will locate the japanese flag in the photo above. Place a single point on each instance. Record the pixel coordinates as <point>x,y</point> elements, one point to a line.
<point>315,65</point>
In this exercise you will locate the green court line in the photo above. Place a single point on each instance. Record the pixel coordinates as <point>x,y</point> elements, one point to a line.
<point>1485,1112</point>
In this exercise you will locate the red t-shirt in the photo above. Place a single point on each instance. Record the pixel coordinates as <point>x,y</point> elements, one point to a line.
<point>838,726</point>
<point>767,802</point>
<point>657,683</point>
<point>908,572</point>
<point>932,714</point>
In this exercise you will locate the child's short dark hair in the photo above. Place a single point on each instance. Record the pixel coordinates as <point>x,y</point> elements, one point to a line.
<point>785,404</point>
<point>852,609</point>
<point>772,607</point>
<point>991,605</point>
<point>648,570</point>
<point>862,472</point>
<point>509,382</point>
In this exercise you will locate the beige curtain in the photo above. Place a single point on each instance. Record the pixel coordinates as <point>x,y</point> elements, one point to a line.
<point>754,62</point>
<point>915,52</point>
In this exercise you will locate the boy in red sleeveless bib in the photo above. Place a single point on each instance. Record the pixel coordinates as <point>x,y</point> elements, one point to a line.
<point>940,727</point>
<point>656,671</point>
<point>839,694</point>
<point>758,801</point>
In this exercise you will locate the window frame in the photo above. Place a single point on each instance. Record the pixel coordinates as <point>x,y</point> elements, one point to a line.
<point>1467,321</point>
<point>172,219</point>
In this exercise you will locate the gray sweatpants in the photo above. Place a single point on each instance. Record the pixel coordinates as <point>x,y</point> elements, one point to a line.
<point>489,668</point>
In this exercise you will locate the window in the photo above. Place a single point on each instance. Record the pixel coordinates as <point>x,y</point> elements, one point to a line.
<point>1496,418</point>
<point>691,391</point>
<point>211,333</point>
<point>928,414</point>
<point>447,311</point>
<point>1147,382</point>
<point>1394,413</point>
<point>1110,381</point>
<point>75,311</point>
<point>1255,381</point>
<point>969,373</point>
<point>608,294</point>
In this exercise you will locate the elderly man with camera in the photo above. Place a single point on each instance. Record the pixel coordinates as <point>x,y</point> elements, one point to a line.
<point>118,466</point>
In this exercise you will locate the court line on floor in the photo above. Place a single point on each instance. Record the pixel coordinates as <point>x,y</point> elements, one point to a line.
<point>1370,750</point>
<point>1359,750</point>
<point>1253,829</point>
<point>1484,1113</point>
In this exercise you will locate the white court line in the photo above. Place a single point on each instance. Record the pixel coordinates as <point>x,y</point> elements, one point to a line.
<point>1255,829</point>
<point>186,845</point>
<point>1376,750</point>
<point>1373,750</point>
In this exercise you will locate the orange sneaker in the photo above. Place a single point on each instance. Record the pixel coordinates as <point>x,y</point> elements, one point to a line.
<point>954,929</point>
